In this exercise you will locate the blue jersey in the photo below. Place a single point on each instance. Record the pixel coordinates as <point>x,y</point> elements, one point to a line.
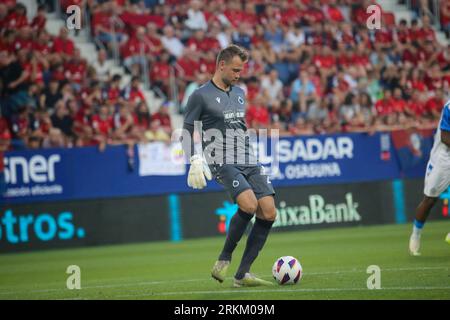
<point>444,124</point>
<point>441,152</point>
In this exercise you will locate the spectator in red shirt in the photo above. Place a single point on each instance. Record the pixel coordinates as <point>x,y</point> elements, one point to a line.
<point>208,64</point>
<point>17,18</point>
<point>427,32</point>
<point>434,79</point>
<point>257,114</point>
<point>102,125</point>
<point>325,61</point>
<point>143,118</point>
<point>7,41</point>
<point>434,105</point>
<point>399,104</point>
<point>415,31</point>
<point>234,13</point>
<point>154,39</point>
<point>200,44</point>
<point>63,45</point>
<point>136,49</point>
<point>314,13</point>
<point>41,123</point>
<point>160,73</point>
<point>125,129</point>
<point>38,23</point>
<point>41,45</point>
<point>250,15</point>
<point>132,93</point>
<point>75,70</point>
<point>3,15</point>
<point>35,66</point>
<point>383,38</point>
<point>342,84</point>
<point>345,35</point>
<point>402,34</point>
<point>443,58</point>
<point>384,106</point>
<point>333,12</point>
<point>416,106</point>
<point>188,64</point>
<point>345,56</point>
<point>102,24</point>
<point>163,117</point>
<point>21,124</point>
<point>82,127</point>
<point>24,39</point>
<point>5,139</point>
<point>360,14</point>
<point>255,68</point>
<point>111,95</point>
<point>445,16</point>
<point>57,72</point>
<point>416,80</point>
<point>291,15</point>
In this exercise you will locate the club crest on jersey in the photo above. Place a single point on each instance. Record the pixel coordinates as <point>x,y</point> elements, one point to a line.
<point>218,100</point>
<point>241,101</point>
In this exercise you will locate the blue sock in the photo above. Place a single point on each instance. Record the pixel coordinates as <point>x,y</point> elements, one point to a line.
<point>418,224</point>
<point>417,227</point>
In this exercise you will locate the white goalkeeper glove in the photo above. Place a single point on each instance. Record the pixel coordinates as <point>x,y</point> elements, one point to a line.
<point>198,171</point>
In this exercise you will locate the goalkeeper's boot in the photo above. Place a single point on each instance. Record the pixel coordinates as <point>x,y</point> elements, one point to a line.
<point>219,270</point>
<point>414,245</point>
<point>249,280</point>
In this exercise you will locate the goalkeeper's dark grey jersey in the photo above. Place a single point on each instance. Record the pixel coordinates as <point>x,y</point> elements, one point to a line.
<point>222,115</point>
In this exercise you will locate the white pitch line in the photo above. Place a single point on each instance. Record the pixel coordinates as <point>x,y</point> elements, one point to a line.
<point>382,269</point>
<point>238,290</point>
<point>209,279</point>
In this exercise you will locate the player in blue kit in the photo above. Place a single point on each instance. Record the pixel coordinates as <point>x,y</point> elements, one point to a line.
<point>437,178</point>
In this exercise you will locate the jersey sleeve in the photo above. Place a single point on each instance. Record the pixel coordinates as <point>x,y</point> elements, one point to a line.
<point>193,113</point>
<point>194,108</point>
<point>445,121</point>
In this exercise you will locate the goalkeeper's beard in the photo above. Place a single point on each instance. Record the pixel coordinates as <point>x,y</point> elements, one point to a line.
<point>228,83</point>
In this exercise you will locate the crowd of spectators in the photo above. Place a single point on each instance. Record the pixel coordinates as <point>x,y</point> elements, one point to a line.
<point>437,10</point>
<point>50,97</point>
<point>315,67</point>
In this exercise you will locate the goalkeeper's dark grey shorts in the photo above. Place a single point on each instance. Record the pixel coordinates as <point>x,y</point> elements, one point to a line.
<point>236,179</point>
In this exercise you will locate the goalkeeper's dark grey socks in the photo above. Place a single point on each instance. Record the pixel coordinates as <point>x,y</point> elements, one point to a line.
<point>255,242</point>
<point>236,229</point>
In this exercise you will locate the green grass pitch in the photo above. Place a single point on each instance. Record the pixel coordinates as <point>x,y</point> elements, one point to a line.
<point>334,263</point>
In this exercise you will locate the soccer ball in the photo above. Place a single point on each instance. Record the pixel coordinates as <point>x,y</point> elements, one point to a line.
<point>287,270</point>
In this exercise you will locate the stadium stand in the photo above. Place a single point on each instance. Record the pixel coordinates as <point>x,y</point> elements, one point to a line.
<point>315,68</point>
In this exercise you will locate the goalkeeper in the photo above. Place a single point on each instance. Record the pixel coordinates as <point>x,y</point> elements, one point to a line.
<point>219,107</point>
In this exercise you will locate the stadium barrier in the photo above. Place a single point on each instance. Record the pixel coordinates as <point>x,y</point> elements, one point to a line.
<point>58,198</point>
<point>83,223</point>
<point>174,217</point>
<point>86,173</point>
